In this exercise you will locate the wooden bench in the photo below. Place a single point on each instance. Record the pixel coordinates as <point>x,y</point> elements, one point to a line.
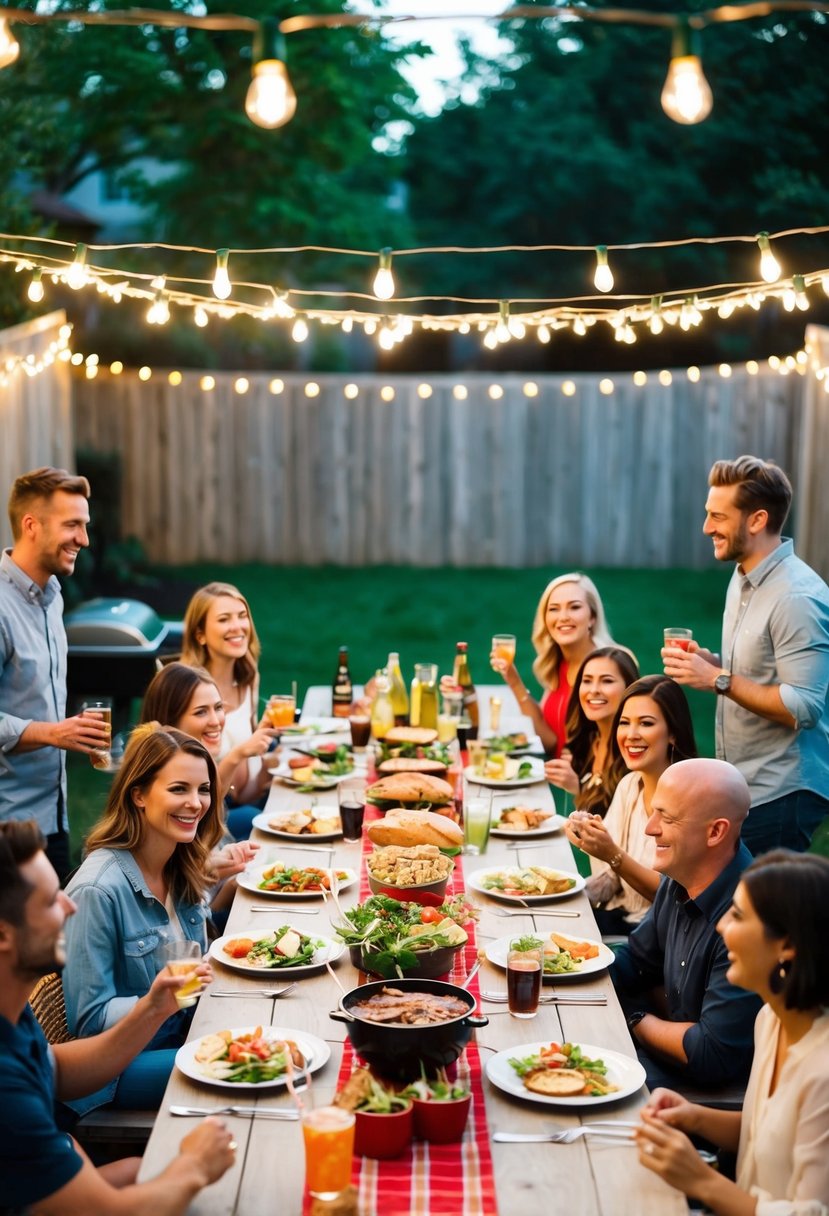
<point>101,1131</point>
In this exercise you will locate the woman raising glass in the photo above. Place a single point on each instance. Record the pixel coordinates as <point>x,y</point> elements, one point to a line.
<point>651,730</point>
<point>776,933</point>
<point>569,623</point>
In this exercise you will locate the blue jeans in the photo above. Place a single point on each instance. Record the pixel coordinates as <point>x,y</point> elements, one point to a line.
<point>785,823</point>
<point>239,821</point>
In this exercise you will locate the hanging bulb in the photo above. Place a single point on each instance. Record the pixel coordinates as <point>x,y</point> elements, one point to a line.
<point>800,297</point>
<point>490,339</point>
<point>300,330</point>
<point>656,324</point>
<point>543,333</point>
<point>270,100</point>
<point>769,266</point>
<point>221,279</point>
<point>76,276</point>
<point>9,46</point>
<point>383,287</point>
<point>386,338</point>
<point>579,327</point>
<point>35,292</point>
<point>502,329</point>
<point>603,278</point>
<point>686,94</point>
<point>200,316</point>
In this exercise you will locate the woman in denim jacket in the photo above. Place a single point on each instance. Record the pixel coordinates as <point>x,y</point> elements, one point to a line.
<point>142,884</point>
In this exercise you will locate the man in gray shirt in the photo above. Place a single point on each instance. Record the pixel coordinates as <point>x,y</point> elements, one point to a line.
<point>49,513</point>
<point>772,676</point>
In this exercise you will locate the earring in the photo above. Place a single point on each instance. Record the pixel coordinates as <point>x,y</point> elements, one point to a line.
<point>777,979</point>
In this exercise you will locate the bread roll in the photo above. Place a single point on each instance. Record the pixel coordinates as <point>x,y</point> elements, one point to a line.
<point>410,787</point>
<point>422,735</point>
<point>409,828</point>
<point>410,764</point>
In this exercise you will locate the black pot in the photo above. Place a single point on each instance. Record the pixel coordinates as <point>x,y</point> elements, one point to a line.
<point>398,1051</point>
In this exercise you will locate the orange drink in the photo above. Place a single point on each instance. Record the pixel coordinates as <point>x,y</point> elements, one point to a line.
<point>503,647</point>
<point>181,957</point>
<point>188,993</point>
<point>280,711</point>
<point>329,1144</point>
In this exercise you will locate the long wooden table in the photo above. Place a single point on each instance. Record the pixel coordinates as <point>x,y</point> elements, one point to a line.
<point>588,1177</point>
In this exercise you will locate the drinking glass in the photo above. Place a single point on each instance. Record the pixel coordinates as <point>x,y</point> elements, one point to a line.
<point>503,646</point>
<point>102,757</point>
<point>477,754</point>
<point>328,1133</point>
<point>351,796</point>
<point>281,708</point>
<point>477,815</point>
<point>495,715</point>
<point>680,638</point>
<point>181,958</point>
<point>525,961</point>
<point>360,731</point>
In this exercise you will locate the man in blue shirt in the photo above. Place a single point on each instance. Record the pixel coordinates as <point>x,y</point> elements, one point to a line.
<point>690,1025</point>
<point>42,1170</point>
<point>772,674</point>
<point>49,514</point>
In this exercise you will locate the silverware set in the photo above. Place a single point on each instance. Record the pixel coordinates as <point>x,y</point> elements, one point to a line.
<point>606,1130</point>
<point>243,993</point>
<point>528,911</point>
<point>244,1112</point>
<point>553,998</point>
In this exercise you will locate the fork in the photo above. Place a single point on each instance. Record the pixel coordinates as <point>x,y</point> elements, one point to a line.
<point>527,911</point>
<point>275,909</point>
<point>246,992</point>
<point>245,1112</point>
<point>498,998</point>
<point>564,1137</point>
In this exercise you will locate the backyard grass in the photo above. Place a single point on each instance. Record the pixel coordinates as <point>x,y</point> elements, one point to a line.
<point>304,614</point>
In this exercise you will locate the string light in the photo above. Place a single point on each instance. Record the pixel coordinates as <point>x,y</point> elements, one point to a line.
<point>221,279</point>
<point>9,46</point>
<point>270,101</point>
<point>35,292</point>
<point>603,278</point>
<point>769,266</point>
<point>300,330</point>
<point>383,286</point>
<point>76,276</point>
<point>200,316</point>
<point>686,94</point>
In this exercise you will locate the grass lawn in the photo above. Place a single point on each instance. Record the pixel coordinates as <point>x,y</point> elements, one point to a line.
<point>303,614</point>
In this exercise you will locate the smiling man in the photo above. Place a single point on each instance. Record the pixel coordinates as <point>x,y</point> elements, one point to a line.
<point>771,677</point>
<point>689,1023</point>
<point>49,515</point>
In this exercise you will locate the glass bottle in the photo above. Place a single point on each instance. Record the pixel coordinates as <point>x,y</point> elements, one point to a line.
<point>463,677</point>
<point>399,696</point>
<point>426,680</point>
<point>382,710</point>
<point>342,691</point>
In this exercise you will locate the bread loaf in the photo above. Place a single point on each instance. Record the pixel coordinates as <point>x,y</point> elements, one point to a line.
<point>422,735</point>
<point>410,787</point>
<point>409,828</point>
<point>411,764</point>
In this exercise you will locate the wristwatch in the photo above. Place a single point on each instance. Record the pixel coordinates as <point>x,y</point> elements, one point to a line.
<point>722,684</point>
<point>636,1018</point>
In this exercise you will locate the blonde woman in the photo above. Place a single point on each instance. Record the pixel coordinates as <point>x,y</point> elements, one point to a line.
<point>569,623</point>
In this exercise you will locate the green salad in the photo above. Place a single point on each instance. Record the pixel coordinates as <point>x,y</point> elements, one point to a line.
<point>391,934</point>
<point>285,947</point>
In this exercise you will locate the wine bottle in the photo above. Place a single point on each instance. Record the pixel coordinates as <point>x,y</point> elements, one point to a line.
<point>399,696</point>
<point>463,677</point>
<point>342,688</point>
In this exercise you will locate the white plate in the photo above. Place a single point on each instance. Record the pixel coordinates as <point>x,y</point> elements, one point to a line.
<point>533,744</point>
<point>499,783</point>
<point>548,828</point>
<point>624,1071</point>
<point>497,952</point>
<point>315,1051</point>
<point>326,953</point>
<point>317,726</point>
<point>476,882</point>
<point>286,776</point>
<point>250,879</point>
<point>263,823</point>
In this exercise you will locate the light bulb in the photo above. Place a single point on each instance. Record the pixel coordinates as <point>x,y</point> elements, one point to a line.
<point>686,94</point>
<point>603,278</point>
<point>270,100</point>
<point>579,327</point>
<point>221,279</point>
<point>490,339</point>
<point>800,297</point>
<point>35,292</point>
<point>9,46</point>
<point>200,316</point>
<point>76,276</point>
<point>543,334</point>
<point>769,266</point>
<point>383,286</point>
<point>656,324</point>
<point>300,330</point>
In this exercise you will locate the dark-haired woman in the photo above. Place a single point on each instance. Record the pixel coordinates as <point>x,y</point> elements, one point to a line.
<point>651,730</point>
<point>776,933</point>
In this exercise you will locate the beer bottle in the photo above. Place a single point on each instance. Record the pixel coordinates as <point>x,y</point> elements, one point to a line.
<point>463,677</point>
<point>342,688</point>
<point>399,696</point>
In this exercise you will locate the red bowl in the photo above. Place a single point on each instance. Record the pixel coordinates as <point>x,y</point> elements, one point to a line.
<point>441,1122</point>
<point>383,1136</point>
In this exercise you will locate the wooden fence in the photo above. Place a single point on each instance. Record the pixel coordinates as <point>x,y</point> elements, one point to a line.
<point>35,410</point>
<point>444,470</point>
<point>813,501</point>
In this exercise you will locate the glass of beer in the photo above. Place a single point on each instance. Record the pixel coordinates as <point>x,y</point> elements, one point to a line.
<point>102,757</point>
<point>280,711</point>
<point>525,961</point>
<point>680,638</point>
<point>503,647</point>
<point>328,1133</point>
<point>182,958</point>
<point>351,796</point>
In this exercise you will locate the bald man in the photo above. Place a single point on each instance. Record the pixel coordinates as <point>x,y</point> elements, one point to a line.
<point>689,1024</point>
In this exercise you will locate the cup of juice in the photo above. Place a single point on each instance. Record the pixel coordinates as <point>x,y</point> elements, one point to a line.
<point>678,638</point>
<point>280,711</point>
<point>328,1133</point>
<point>503,647</point>
<point>100,758</point>
<point>476,821</point>
<point>182,958</point>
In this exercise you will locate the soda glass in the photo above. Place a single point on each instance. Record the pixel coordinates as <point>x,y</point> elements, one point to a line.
<point>328,1133</point>
<point>525,962</point>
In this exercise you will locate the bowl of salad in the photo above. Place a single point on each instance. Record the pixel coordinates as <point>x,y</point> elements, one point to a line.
<point>391,938</point>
